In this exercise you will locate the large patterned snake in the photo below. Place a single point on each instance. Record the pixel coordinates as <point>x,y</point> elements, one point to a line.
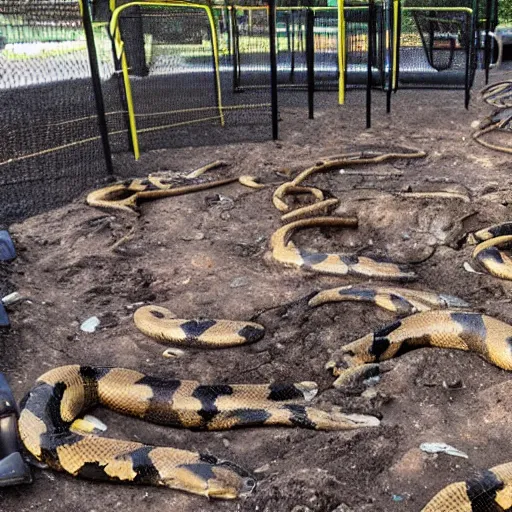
<point>63,394</point>
<point>488,337</point>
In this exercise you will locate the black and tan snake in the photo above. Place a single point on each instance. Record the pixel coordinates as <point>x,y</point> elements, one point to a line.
<point>285,251</point>
<point>159,323</point>
<point>487,253</point>
<point>126,195</point>
<point>488,337</point>
<point>62,395</point>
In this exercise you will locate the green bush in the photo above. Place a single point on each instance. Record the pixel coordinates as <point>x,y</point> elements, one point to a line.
<point>505,11</point>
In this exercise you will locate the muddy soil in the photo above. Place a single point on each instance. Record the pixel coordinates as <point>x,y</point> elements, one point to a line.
<point>206,254</point>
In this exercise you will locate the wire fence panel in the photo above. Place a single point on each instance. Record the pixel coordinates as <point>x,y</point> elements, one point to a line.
<point>51,148</point>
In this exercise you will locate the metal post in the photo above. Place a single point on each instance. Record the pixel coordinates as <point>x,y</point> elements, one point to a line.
<point>292,63</point>
<point>487,44</point>
<point>389,17</point>
<point>398,37</point>
<point>96,84</point>
<point>310,60</point>
<point>235,56</point>
<point>471,27</point>
<point>371,31</point>
<point>273,66</point>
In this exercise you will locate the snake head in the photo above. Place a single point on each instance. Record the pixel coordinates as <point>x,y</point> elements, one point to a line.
<point>351,355</point>
<point>230,481</point>
<point>211,477</point>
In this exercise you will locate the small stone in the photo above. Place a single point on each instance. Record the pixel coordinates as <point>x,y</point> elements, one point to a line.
<point>91,324</point>
<point>239,282</point>
<point>225,442</point>
<point>134,305</point>
<point>193,235</point>
<point>202,261</point>
<point>411,463</point>
<point>12,298</point>
<point>262,469</point>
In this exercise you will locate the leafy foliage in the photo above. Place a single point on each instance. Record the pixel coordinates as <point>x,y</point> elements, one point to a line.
<point>505,11</point>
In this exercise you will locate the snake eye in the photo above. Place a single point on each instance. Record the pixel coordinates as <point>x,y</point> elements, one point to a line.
<point>248,486</point>
<point>157,314</point>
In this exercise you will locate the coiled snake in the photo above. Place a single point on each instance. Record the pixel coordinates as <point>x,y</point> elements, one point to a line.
<point>63,394</point>
<point>487,253</point>
<point>488,337</point>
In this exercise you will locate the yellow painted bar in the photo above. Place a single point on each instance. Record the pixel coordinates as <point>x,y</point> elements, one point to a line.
<point>396,42</point>
<point>216,64</point>
<point>116,34</point>
<point>341,52</point>
<point>129,98</point>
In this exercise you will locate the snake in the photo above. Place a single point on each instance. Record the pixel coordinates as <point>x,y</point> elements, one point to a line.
<point>486,336</point>
<point>498,94</point>
<point>326,165</point>
<point>502,229</point>
<point>159,323</point>
<point>482,334</point>
<point>487,253</point>
<point>51,409</point>
<point>404,301</point>
<point>286,252</point>
<point>127,194</point>
<point>500,120</point>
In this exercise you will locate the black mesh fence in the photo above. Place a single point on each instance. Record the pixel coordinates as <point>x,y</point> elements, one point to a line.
<point>51,149</point>
<point>180,81</point>
<point>191,75</point>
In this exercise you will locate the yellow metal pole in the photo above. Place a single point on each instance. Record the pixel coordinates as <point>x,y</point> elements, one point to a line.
<point>119,45</point>
<point>129,103</point>
<point>396,49</point>
<point>341,51</point>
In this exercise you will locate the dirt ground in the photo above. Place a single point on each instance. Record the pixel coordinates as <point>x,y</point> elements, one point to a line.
<point>206,255</point>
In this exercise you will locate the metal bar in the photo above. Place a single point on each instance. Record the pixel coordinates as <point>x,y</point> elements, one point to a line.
<point>96,85</point>
<point>442,9</point>
<point>371,31</point>
<point>470,34</point>
<point>341,52</point>
<point>292,63</point>
<point>310,60</point>
<point>487,44</point>
<point>215,51</point>
<point>273,67</point>
<point>388,68</point>
<point>396,42</point>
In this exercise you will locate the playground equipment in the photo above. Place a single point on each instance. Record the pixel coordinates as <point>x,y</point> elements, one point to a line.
<point>89,89</point>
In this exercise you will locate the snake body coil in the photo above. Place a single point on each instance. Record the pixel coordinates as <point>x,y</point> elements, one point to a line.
<point>63,394</point>
<point>159,323</point>
<point>488,337</point>
<point>285,251</point>
<point>398,300</point>
<point>487,253</point>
